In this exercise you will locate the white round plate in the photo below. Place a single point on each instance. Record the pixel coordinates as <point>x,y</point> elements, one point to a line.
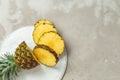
<point>41,72</point>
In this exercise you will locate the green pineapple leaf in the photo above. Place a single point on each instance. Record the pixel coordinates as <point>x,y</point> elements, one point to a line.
<point>8,67</point>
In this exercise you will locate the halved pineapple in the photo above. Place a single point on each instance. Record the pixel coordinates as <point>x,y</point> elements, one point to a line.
<point>42,21</point>
<point>41,30</point>
<point>54,41</point>
<point>45,55</point>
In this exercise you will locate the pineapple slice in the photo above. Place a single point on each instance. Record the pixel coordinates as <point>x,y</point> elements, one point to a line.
<point>45,55</point>
<point>42,21</point>
<point>41,30</point>
<point>54,41</point>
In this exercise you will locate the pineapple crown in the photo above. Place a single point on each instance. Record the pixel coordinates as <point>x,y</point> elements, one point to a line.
<point>8,67</point>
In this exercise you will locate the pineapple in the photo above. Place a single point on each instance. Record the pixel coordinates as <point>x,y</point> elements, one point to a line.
<point>54,41</point>
<point>45,33</point>
<point>42,21</point>
<point>24,57</point>
<point>49,46</point>
<point>42,28</point>
<point>10,64</point>
<point>45,55</point>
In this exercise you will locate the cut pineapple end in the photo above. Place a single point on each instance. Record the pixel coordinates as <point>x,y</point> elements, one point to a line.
<point>39,31</point>
<point>54,41</point>
<point>23,56</point>
<point>45,56</point>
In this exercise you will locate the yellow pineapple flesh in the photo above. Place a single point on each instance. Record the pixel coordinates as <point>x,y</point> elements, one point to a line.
<point>54,41</point>
<point>45,55</point>
<point>40,30</point>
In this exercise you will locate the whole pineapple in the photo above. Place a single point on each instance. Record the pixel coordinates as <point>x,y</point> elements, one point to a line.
<point>10,64</point>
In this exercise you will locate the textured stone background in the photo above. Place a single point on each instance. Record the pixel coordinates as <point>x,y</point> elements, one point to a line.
<point>91,29</point>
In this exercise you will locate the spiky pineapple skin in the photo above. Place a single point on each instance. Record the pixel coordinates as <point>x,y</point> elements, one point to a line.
<point>24,58</point>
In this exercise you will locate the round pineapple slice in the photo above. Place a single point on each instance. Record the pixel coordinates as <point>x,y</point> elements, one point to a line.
<point>54,41</point>
<point>41,30</point>
<point>42,21</point>
<point>45,55</point>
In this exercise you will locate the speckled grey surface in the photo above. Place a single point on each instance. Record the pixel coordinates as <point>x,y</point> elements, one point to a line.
<point>91,29</point>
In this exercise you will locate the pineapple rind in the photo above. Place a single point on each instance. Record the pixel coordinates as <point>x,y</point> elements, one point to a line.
<point>42,21</point>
